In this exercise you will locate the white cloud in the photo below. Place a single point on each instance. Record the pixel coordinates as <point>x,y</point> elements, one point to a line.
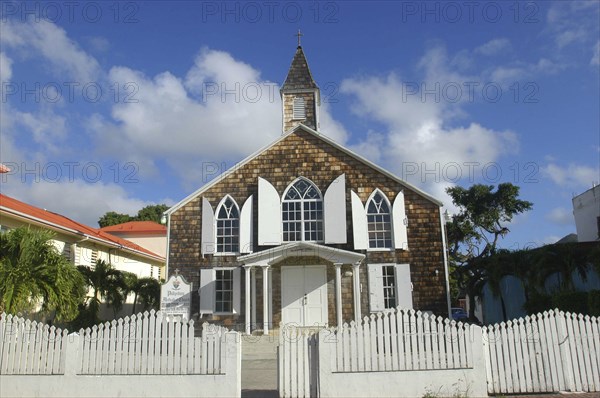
<point>5,68</point>
<point>78,200</point>
<point>573,175</point>
<point>221,111</point>
<point>595,61</point>
<point>51,41</point>
<point>494,47</point>
<point>561,216</point>
<point>418,141</point>
<point>572,23</point>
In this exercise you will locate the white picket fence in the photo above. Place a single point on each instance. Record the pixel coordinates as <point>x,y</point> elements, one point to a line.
<point>37,360</point>
<point>552,351</point>
<point>401,341</point>
<point>29,347</point>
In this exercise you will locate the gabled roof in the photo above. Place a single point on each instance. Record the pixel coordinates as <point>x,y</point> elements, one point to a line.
<point>304,249</point>
<point>137,227</point>
<point>60,223</point>
<point>326,139</point>
<point>299,76</point>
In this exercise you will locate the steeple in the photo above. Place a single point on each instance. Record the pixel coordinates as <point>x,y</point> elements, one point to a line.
<point>300,95</point>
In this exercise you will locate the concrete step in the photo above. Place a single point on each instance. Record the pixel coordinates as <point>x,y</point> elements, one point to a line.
<point>259,347</point>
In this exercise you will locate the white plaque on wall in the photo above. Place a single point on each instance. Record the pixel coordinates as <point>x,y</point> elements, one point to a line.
<point>176,297</point>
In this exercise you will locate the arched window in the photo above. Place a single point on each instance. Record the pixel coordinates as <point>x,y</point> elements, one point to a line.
<point>228,226</point>
<point>379,221</point>
<point>302,212</point>
<point>299,109</point>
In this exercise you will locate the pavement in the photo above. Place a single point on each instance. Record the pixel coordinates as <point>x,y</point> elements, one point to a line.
<point>259,366</point>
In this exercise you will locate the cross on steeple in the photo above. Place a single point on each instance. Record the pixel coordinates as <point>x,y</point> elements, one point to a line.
<point>299,36</point>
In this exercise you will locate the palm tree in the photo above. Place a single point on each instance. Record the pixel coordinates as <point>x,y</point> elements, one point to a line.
<point>146,291</point>
<point>108,284</point>
<point>33,274</point>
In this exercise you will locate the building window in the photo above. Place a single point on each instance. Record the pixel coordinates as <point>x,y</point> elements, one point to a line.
<point>302,212</point>
<point>389,286</point>
<point>228,226</point>
<point>299,109</point>
<point>379,222</point>
<point>224,290</point>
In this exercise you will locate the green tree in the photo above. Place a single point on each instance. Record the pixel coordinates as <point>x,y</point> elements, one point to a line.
<point>151,213</point>
<point>108,285</point>
<point>146,292</point>
<point>148,213</point>
<point>474,232</point>
<point>113,218</point>
<point>33,274</point>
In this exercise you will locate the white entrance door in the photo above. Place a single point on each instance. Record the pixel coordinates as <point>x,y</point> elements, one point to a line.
<point>304,295</point>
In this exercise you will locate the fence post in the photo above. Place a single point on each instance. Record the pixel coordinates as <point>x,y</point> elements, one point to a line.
<point>72,359</point>
<point>326,343</point>
<point>232,359</point>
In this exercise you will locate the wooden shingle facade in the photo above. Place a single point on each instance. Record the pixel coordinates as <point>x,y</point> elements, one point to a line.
<point>307,232</point>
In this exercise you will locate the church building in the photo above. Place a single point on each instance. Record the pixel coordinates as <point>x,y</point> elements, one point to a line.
<point>307,232</point>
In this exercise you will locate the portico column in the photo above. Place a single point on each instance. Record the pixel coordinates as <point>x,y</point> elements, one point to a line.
<point>265,274</point>
<point>356,290</point>
<point>338,293</point>
<point>247,296</point>
<point>253,303</point>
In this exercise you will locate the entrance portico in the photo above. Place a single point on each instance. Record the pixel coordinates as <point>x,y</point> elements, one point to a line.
<point>303,288</point>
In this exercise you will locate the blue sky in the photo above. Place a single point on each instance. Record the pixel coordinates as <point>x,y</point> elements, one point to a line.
<point>116,105</point>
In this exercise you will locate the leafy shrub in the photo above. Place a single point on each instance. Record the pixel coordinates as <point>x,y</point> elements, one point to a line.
<point>576,302</point>
<point>594,302</point>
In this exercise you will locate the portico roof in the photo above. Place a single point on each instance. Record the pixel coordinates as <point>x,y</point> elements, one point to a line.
<point>301,249</point>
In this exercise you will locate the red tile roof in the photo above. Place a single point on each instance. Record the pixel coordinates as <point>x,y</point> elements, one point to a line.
<point>65,224</point>
<point>137,227</point>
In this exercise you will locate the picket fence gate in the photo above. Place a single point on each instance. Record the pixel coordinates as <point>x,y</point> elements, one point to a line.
<point>547,352</point>
<point>148,343</point>
<point>397,340</point>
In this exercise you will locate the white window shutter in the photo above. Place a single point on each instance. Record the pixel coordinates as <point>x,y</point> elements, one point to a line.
<point>206,291</point>
<point>359,223</point>
<point>246,223</point>
<point>403,286</point>
<point>376,302</point>
<point>208,228</point>
<point>269,214</point>
<point>400,222</point>
<point>334,211</point>
<point>237,294</point>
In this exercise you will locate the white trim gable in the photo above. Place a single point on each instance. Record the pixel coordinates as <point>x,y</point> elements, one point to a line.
<point>281,138</point>
<point>400,222</point>
<point>246,223</point>
<point>334,211</point>
<point>269,214</point>
<point>359,223</point>
<point>208,228</point>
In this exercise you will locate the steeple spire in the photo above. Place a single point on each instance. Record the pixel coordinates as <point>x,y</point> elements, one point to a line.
<point>300,94</point>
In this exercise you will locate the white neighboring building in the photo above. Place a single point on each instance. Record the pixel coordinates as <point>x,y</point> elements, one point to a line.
<point>148,234</point>
<point>586,210</point>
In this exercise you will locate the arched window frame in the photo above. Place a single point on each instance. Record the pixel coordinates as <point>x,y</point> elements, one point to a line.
<point>294,213</point>
<point>380,226</point>
<point>227,228</point>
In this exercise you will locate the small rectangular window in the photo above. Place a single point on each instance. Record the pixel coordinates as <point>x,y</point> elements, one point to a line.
<point>224,291</point>
<point>389,286</point>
